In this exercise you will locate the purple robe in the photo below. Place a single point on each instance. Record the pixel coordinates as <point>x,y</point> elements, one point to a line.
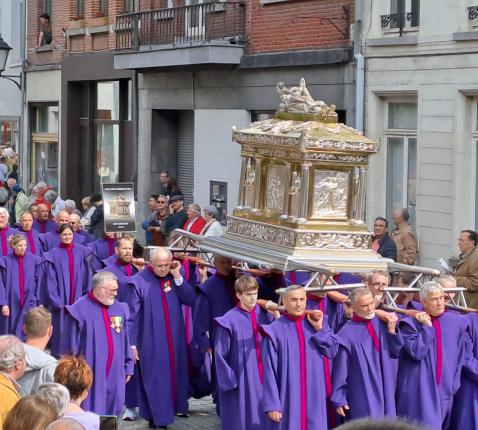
<point>269,284</point>
<point>52,239</point>
<point>101,250</point>
<point>239,368</point>
<point>298,277</point>
<point>56,287</point>
<point>465,403</point>
<point>364,377</point>
<point>11,294</point>
<point>132,387</point>
<point>294,373</point>
<point>44,227</point>
<point>99,333</point>
<point>424,394</point>
<point>33,240</point>
<point>4,235</point>
<point>334,312</point>
<point>157,330</point>
<point>88,238</point>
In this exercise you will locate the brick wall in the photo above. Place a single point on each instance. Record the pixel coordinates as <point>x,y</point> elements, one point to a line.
<point>296,25</point>
<point>65,16</point>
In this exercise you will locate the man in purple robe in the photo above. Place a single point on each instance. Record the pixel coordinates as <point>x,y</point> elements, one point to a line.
<point>102,249</point>
<point>294,346</point>
<point>216,296</point>
<point>51,239</point>
<point>239,368</point>
<point>66,277</point>
<point>365,368</point>
<point>43,224</point>
<point>269,283</point>
<point>5,232</point>
<point>19,275</point>
<point>75,222</point>
<point>158,337</point>
<point>124,270</point>
<point>32,236</point>
<point>98,330</point>
<point>431,360</point>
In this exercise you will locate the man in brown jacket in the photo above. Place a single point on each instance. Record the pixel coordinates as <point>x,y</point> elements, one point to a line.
<point>466,270</point>
<point>404,238</point>
<point>12,368</point>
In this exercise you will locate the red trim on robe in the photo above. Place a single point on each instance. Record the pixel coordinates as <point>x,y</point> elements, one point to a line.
<point>167,322</point>
<point>303,370</point>
<point>371,330</point>
<point>30,240</point>
<point>439,350</point>
<point>71,264</point>
<point>21,280</point>
<point>257,342</point>
<point>109,337</point>
<point>42,226</point>
<point>293,279</point>
<point>3,233</point>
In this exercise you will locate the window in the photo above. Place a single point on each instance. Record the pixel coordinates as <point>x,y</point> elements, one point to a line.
<point>80,8</point>
<point>47,7</point>
<point>128,6</point>
<point>9,133</point>
<point>404,14</point>
<point>401,144</point>
<point>103,7</point>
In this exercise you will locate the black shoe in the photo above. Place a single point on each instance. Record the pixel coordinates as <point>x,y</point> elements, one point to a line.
<point>182,415</point>
<point>151,424</point>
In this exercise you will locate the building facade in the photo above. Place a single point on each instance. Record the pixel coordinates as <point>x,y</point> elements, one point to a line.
<point>206,67</point>
<point>421,62</point>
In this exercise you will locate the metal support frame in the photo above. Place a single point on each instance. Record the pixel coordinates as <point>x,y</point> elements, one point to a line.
<point>458,300</point>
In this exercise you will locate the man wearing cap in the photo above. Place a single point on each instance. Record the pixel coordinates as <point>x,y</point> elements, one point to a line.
<point>177,215</point>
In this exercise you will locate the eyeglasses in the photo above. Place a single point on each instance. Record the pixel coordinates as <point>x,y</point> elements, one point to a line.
<point>162,201</point>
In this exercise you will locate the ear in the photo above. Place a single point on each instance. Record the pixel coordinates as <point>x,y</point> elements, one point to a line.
<point>238,295</point>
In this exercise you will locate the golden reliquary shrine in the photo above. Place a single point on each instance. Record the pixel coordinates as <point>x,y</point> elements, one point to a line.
<point>120,207</point>
<point>302,185</point>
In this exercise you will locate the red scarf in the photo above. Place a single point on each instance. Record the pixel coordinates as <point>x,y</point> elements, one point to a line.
<point>303,370</point>
<point>21,279</point>
<point>3,233</point>
<point>111,245</point>
<point>71,264</point>
<point>109,337</point>
<point>127,267</point>
<point>30,240</point>
<point>255,330</point>
<point>371,330</point>
<point>439,350</point>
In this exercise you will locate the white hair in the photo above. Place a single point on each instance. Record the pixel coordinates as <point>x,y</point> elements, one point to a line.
<point>446,279</point>
<point>291,288</point>
<point>11,350</point>
<point>195,207</point>
<point>56,395</point>
<point>65,423</point>
<point>359,292</point>
<point>160,251</point>
<point>211,211</point>
<point>70,204</point>
<point>4,211</point>
<point>429,287</point>
<point>101,278</point>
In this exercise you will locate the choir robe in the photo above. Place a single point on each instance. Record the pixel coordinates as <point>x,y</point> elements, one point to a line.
<point>465,403</point>
<point>100,334</point>
<point>294,385</point>
<point>298,277</point>
<point>101,250</point>
<point>44,227</point>
<point>19,294</point>
<point>424,394</point>
<point>52,239</point>
<point>33,240</point>
<point>124,273</point>
<point>157,330</point>
<point>57,291</point>
<point>239,369</point>
<point>5,233</point>
<point>216,297</point>
<point>365,369</point>
<point>87,237</point>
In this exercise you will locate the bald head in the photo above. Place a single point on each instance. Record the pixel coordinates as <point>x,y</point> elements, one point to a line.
<point>65,424</point>
<point>74,221</point>
<point>161,258</point>
<point>63,217</point>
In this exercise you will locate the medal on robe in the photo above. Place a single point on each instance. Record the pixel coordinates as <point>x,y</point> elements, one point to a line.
<point>167,287</point>
<point>116,323</point>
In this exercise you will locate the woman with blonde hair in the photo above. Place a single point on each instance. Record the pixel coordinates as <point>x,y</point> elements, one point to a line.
<point>75,374</point>
<point>32,413</point>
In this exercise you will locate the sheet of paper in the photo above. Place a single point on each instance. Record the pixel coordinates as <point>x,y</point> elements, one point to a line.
<point>444,265</point>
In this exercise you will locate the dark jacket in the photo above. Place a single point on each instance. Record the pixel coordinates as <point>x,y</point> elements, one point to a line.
<point>97,225</point>
<point>175,220</point>
<point>387,249</point>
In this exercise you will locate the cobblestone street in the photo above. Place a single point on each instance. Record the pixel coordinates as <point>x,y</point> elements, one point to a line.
<point>202,415</point>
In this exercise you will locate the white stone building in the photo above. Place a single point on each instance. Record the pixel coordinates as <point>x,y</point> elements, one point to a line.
<point>421,102</point>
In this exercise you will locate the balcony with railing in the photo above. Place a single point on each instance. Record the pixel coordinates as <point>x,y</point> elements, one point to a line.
<point>202,27</point>
<point>400,21</point>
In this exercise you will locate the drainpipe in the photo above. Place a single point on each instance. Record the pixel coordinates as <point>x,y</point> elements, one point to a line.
<point>359,68</point>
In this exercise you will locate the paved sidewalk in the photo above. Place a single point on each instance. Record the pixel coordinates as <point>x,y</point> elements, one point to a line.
<point>202,416</point>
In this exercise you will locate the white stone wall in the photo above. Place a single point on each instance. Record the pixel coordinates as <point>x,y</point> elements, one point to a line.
<point>441,74</point>
<point>216,156</point>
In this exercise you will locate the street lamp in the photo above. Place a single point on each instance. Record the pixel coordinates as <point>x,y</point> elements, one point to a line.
<point>5,49</point>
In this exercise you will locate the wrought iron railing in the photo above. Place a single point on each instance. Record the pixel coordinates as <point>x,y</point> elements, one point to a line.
<point>396,20</point>
<point>184,24</point>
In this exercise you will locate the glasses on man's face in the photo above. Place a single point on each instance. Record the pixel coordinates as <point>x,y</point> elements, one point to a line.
<point>162,201</point>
